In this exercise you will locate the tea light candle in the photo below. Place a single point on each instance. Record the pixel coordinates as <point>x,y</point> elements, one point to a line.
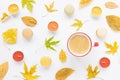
<point>104,62</point>
<point>13,8</point>
<point>18,56</point>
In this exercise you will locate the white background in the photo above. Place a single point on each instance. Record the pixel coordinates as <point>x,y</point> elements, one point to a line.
<point>35,48</point>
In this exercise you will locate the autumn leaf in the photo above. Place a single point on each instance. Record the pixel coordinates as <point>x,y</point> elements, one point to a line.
<point>113,22</point>
<point>111,5</point>
<point>3,70</point>
<point>77,23</point>
<point>50,7</point>
<point>49,43</point>
<point>10,35</point>
<point>63,73</point>
<point>62,56</point>
<point>4,17</point>
<point>92,73</point>
<point>28,75</point>
<point>112,48</point>
<point>84,3</point>
<point>28,4</point>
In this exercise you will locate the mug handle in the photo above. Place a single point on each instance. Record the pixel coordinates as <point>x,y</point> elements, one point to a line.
<point>96,44</point>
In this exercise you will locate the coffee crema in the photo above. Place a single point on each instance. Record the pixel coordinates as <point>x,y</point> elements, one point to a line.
<point>79,44</point>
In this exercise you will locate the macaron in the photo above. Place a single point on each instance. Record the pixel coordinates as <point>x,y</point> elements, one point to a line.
<point>69,9</point>
<point>101,32</point>
<point>27,33</point>
<point>13,8</point>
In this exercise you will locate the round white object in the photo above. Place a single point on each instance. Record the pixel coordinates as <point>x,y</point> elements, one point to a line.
<point>69,9</point>
<point>27,33</point>
<point>101,32</point>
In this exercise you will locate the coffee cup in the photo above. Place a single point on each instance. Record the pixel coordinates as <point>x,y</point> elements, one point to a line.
<point>80,44</point>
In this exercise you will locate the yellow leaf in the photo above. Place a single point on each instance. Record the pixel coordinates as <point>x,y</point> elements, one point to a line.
<point>50,7</point>
<point>111,5</point>
<point>62,56</point>
<point>33,69</point>
<point>10,36</point>
<point>112,48</point>
<point>25,68</point>
<point>84,3</point>
<point>92,73</point>
<point>28,4</point>
<point>4,17</point>
<point>63,73</point>
<point>28,75</point>
<point>3,70</point>
<point>113,22</point>
<point>77,23</point>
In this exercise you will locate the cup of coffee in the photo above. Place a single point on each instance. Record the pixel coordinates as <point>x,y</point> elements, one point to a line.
<point>80,44</point>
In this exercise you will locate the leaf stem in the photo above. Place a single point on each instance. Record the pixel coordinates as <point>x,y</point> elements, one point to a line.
<point>99,78</point>
<point>45,15</point>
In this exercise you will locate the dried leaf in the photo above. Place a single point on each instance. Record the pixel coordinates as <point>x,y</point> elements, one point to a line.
<point>28,4</point>
<point>111,5</point>
<point>3,70</point>
<point>113,22</point>
<point>49,43</point>
<point>29,21</point>
<point>77,23</point>
<point>4,17</point>
<point>63,73</point>
<point>84,3</point>
<point>92,73</point>
<point>112,48</point>
<point>28,75</point>
<point>10,36</point>
<point>50,7</point>
<point>62,56</point>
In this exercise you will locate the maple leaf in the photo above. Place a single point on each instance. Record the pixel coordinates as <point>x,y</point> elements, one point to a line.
<point>50,7</point>
<point>77,23</point>
<point>112,48</point>
<point>92,73</point>
<point>28,75</point>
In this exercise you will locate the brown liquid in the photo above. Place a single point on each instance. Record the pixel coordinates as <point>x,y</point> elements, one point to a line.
<point>79,44</point>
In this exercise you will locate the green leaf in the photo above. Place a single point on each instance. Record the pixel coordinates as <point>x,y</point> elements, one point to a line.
<point>51,38</point>
<point>52,48</point>
<point>28,4</point>
<point>49,43</point>
<point>24,3</point>
<point>30,7</point>
<point>54,42</point>
<point>32,1</point>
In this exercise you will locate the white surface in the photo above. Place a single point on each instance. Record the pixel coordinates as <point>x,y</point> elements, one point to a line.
<point>35,48</point>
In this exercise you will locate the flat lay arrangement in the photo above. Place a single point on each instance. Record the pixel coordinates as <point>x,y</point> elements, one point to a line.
<point>59,39</point>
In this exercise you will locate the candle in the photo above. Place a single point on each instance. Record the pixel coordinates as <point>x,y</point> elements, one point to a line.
<point>18,56</point>
<point>104,62</point>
